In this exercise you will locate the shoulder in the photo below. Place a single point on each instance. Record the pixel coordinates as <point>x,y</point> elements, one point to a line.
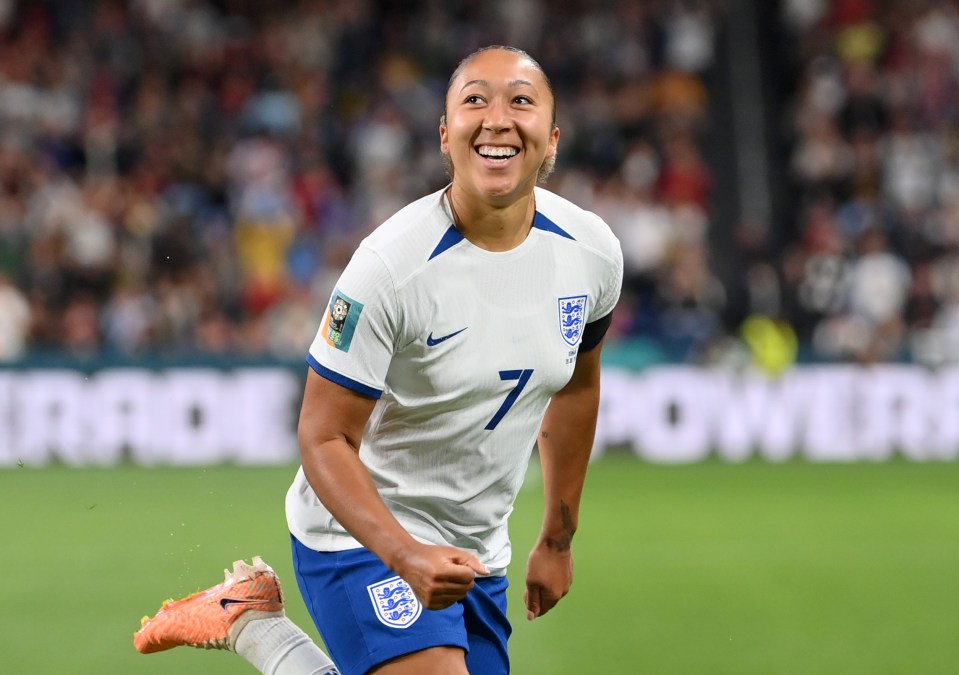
<point>405,241</point>
<point>417,222</point>
<point>580,225</point>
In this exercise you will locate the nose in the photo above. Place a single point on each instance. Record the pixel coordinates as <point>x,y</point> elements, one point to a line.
<point>498,116</point>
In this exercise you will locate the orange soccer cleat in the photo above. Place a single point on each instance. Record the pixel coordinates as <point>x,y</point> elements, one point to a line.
<point>206,619</point>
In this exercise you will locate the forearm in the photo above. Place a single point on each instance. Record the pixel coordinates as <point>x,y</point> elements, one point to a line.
<point>344,486</point>
<point>565,444</point>
<point>330,432</point>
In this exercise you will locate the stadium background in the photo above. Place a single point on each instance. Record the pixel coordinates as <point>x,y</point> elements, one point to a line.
<point>181,181</point>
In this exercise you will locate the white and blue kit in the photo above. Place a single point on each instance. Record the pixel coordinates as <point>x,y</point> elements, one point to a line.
<point>463,348</point>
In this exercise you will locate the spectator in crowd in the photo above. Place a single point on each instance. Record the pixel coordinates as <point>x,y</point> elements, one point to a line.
<point>873,158</point>
<point>184,176</point>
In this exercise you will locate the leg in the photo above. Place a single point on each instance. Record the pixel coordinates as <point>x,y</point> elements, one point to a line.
<point>243,614</point>
<point>207,619</point>
<point>436,661</point>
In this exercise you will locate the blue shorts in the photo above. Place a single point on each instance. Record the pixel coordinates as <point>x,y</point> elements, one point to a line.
<point>367,615</point>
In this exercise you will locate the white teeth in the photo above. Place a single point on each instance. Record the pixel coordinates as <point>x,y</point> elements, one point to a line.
<point>497,152</point>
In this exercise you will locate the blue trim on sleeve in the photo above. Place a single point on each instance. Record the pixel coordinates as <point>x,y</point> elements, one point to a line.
<point>342,380</point>
<point>451,238</point>
<point>541,222</point>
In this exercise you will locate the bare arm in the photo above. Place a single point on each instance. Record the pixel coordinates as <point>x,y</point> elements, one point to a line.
<point>565,443</point>
<point>330,429</point>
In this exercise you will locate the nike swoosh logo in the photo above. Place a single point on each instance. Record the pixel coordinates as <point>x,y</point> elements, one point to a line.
<point>432,342</point>
<point>226,602</point>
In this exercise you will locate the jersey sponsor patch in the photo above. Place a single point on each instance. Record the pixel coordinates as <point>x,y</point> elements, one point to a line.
<point>341,318</point>
<point>395,604</point>
<point>572,318</point>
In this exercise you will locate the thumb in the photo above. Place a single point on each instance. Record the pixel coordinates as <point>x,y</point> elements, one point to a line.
<point>471,561</point>
<point>474,564</point>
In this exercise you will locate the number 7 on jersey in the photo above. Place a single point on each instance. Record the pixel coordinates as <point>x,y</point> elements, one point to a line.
<point>522,377</point>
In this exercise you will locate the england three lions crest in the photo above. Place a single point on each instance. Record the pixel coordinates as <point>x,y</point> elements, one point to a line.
<point>572,318</point>
<point>394,602</point>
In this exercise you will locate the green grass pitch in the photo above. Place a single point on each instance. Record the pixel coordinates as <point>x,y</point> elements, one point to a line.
<point>706,569</point>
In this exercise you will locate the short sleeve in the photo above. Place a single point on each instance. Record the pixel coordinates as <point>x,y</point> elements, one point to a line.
<point>612,280</point>
<point>355,341</point>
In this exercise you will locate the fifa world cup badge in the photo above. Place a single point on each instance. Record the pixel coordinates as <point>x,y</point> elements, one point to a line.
<point>343,314</point>
<point>338,313</point>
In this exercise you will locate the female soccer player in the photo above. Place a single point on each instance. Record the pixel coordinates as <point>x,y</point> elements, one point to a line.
<point>465,329</point>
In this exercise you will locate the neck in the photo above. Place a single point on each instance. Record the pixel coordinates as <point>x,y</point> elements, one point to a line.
<point>493,228</point>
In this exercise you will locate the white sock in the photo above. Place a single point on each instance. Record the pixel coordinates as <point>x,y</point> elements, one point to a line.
<point>277,646</point>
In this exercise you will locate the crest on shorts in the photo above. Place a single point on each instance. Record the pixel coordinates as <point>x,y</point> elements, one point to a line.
<point>341,318</point>
<point>395,604</point>
<point>572,318</point>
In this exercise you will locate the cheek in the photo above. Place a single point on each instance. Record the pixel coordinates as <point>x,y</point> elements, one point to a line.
<point>458,142</point>
<point>460,127</point>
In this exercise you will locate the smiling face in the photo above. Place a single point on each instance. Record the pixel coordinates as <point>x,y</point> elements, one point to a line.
<point>498,129</point>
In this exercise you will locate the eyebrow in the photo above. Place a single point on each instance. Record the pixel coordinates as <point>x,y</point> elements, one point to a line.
<point>513,84</point>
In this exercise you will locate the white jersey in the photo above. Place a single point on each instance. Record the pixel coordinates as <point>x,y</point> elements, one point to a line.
<point>463,348</point>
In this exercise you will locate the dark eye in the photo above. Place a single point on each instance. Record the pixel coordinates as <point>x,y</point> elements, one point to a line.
<point>474,99</point>
<point>524,100</point>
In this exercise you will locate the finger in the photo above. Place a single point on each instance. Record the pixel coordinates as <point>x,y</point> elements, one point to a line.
<point>532,601</point>
<point>457,575</point>
<point>478,567</point>
<point>440,602</point>
<point>445,598</point>
<point>546,603</point>
<point>470,561</point>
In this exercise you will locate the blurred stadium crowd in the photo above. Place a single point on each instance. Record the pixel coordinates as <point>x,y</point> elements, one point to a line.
<point>874,261</point>
<point>190,176</point>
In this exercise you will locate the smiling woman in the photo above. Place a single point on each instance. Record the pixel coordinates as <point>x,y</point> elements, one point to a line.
<point>465,330</point>
<point>522,99</point>
<point>498,132</point>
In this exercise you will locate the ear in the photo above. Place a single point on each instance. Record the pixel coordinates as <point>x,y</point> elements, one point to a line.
<point>444,137</point>
<point>553,142</point>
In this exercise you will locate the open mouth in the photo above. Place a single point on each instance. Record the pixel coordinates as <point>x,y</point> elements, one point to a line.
<point>497,153</point>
